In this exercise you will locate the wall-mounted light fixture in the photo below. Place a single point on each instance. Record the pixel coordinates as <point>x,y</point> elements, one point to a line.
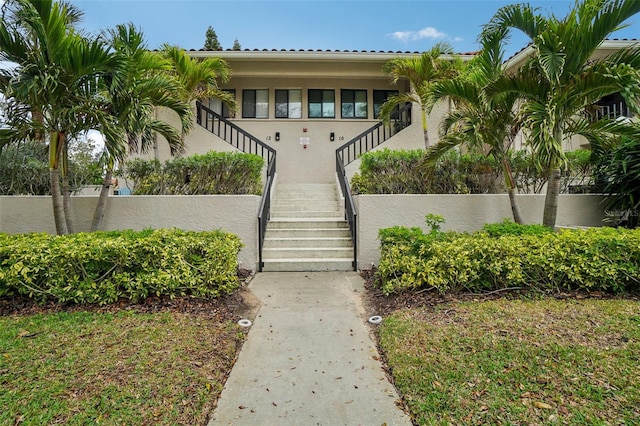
<point>277,136</point>
<point>332,136</point>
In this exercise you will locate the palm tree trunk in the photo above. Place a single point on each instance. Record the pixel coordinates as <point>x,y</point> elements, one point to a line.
<point>56,198</point>
<point>102,201</point>
<point>66,192</point>
<point>511,189</point>
<point>425,129</point>
<point>54,178</point>
<point>551,199</point>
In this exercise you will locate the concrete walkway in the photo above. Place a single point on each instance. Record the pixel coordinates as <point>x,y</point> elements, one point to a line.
<point>309,358</point>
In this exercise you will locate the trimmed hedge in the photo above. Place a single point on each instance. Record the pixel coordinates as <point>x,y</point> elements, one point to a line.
<point>605,259</point>
<point>224,173</point>
<point>103,267</point>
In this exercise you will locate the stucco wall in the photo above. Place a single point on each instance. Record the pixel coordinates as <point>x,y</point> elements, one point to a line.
<point>461,212</point>
<point>235,214</point>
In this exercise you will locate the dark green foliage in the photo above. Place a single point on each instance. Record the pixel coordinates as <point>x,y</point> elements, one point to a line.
<point>212,173</point>
<point>620,171</point>
<point>103,267</point>
<point>402,172</point>
<point>24,169</point>
<point>508,227</point>
<point>211,40</point>
<point>604,259</point>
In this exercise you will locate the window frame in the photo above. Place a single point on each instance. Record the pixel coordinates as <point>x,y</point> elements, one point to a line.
<point>225,112</point>
<point>322,102</point>
<point>387,92</point>
<point>354,103</point>
<point>288,104</point>
<point>246,111</point>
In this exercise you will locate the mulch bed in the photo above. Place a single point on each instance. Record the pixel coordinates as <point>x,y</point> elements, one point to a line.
<point>379,304</point>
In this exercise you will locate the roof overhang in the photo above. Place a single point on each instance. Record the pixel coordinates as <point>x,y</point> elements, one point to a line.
<point>521,57</point>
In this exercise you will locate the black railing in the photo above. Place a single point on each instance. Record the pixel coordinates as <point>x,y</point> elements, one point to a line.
<point>265,208</point>
<point>245,142</point>
<point>374,136</point>
<point>232,133</point>
<point>349,206</point>
<point>357,146</point>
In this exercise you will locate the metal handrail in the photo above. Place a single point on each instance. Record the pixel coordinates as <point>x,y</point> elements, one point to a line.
<point>245,142</point>
<point>264,212</point>
<point>349,206</point>
<point>376,135</point>
<point>353,149</point>
<point>232,133</point>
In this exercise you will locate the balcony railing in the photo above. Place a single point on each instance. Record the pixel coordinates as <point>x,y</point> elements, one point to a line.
<point>248,143</point>
<point>614,110</point>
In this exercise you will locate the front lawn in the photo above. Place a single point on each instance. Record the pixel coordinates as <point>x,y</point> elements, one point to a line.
<point>505,361</point>
<point>115,367</point>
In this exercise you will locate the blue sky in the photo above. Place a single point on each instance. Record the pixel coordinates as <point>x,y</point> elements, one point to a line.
<point>304,24</point>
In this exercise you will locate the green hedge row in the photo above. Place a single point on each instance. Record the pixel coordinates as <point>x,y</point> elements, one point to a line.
<point>606,259</point>
<point>104,267</point>
<point>402,172</point>
<point>225,173</point>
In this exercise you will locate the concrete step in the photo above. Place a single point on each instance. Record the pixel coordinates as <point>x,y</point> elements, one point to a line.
<point>307,230</point>
<point>307,253</point>
<point>304,265</point>
<point>306,205</point>
<point>336,214</point>
<point>306,223</point>
<point>288,242</point>
<point>308,233</point>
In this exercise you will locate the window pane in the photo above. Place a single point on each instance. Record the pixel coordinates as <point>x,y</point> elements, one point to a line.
<point>328,104</point>
<point>361,109</point>
<point>295,104</point>
<point>379,97</point>
<point>282,104</point>
<point>347,110</point>
<point>315,110</point>
<point>248,104</point>
<point>262,103</point>
<point>315,96</point>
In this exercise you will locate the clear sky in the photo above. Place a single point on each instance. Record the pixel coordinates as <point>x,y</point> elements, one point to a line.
<point>304,24</point>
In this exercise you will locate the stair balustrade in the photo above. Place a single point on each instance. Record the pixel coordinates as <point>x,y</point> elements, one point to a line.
<point>352,150</point>
<point>245,142</point>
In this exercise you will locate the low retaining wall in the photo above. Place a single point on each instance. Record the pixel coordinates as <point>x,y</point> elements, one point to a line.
<point>462,213</point>
<point>235,214</point>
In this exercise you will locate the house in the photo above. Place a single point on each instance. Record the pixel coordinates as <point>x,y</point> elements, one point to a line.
<point>305,104</point>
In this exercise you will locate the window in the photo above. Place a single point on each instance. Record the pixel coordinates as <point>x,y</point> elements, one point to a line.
<point>322,103</point>
<point>255,103</point>
<point>216,105</point>
<point>288,104</point>
<point>354,103</point>
<point>380,97</point>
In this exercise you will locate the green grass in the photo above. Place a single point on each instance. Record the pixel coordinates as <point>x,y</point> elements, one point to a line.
<point>124,368</point>
<point>518,362</point>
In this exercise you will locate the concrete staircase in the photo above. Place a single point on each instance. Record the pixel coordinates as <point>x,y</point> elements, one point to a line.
<point>307,230</point>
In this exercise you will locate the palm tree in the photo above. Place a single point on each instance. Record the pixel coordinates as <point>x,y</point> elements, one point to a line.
<point>422,72</point>
<point>480,120</point>
<point>131,97</point>
<point>562,79</point>
<point>53,85</point>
